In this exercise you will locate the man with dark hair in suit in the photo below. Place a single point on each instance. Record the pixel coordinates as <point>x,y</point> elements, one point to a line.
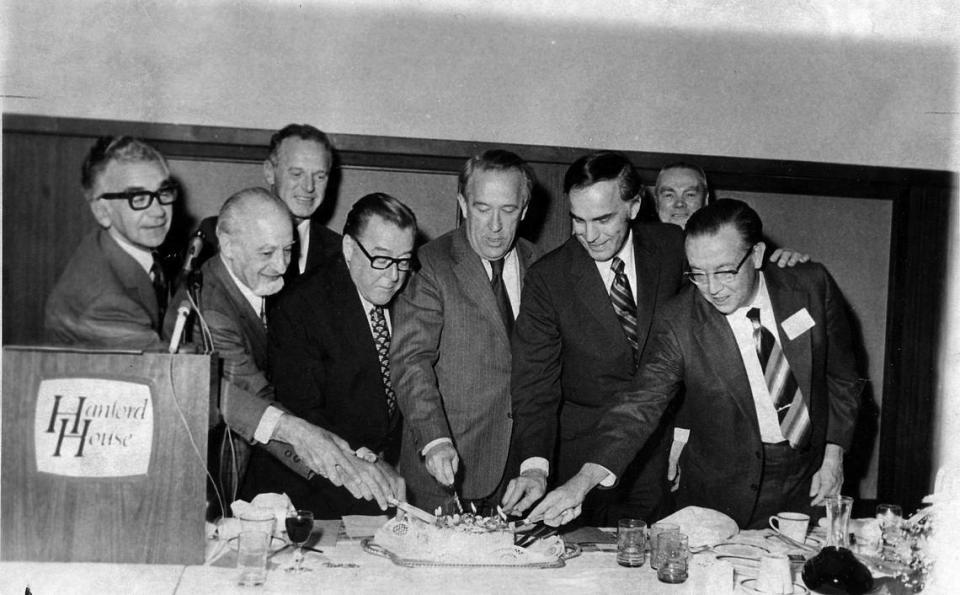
<point>766,363</point>
<point>113,291</point>
<point>255,234</point>
<point>329,340</point>
<point>584,323</point>
<point>452,342</point>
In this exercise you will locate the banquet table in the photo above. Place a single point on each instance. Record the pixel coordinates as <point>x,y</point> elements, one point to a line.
<point>346,568</point>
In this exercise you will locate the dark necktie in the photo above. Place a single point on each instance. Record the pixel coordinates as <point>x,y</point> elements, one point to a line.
<point>382,339</point>
<point>500,293</point>
<point>263,312</point>
<point>159,280</point>
<point>787,398</point>
<point>624,306</point>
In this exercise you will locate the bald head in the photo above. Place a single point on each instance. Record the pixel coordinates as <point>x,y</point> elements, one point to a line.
<point>255,232</point>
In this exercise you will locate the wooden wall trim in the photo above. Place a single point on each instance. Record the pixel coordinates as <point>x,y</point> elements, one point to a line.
<point>728,173</point>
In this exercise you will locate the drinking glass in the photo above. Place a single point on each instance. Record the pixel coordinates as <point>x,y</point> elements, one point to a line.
<point>673,554</point>
<point>631,538</point>
<point>299,525</point>
<point>655,530</point>
<point>890,517</point>
<point>838,520</point>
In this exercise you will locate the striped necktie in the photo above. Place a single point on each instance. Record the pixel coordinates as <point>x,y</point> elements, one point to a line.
<point>500,292</point>
<point>624,306</point>
<point>787,398</point>
<point>382,339</point>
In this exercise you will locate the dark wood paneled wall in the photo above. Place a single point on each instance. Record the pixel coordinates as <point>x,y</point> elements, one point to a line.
<point>45,217</point>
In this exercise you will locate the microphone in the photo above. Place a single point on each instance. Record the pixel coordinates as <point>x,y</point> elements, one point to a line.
<point>193,251</point>
<point>182,312</point>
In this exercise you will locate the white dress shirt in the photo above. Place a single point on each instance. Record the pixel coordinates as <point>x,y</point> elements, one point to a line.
<point>743,331</point>
<point>303,236</point>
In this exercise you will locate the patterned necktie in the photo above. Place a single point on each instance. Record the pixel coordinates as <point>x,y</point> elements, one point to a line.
<point>624,306</point>
<point>159,280</point>
<point>500,292</point>
<point>787,398</point>
<point>382,339</point>
<point>263,312</point>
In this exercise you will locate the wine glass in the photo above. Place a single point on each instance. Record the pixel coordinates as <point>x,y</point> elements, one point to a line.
<point>299,525</point>
<point>890,517</point>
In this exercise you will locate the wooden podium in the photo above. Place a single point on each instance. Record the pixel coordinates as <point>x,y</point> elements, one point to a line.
<point>104,456</point>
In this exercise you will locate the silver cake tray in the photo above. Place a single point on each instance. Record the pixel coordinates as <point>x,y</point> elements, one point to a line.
<point>371,547</point>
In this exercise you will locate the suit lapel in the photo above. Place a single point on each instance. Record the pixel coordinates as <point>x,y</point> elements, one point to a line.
<point>721,353</point>
<point>787,299</point>
<point>249,319</point>
<point>476,284</point>
<point>648,281</point>
<point>590,291</point>
<point>134,278</point>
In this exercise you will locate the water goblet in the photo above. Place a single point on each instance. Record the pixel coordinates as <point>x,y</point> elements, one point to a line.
<point>299,525</point>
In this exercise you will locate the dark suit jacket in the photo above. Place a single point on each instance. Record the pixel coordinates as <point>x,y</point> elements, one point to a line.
<point>694,348</point>
<point>450,359</point>
<point>570,353</point>
<point>103,299</point>
<point>325,369</point>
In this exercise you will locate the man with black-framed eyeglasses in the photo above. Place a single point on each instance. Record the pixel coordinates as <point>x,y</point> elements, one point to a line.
<point>328,348</point>
<point>114,290</point>
<point>765,362</point>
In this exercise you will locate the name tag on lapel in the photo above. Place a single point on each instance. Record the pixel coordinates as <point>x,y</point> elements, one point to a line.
<point>797,324</point>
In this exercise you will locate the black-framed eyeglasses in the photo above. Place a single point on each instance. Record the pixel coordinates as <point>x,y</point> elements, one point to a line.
<point>723,277</point>
<point>382,263</point>
<point>142,199</point>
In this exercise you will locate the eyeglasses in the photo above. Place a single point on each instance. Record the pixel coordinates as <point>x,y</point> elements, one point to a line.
<point>382,263</point>
<point>142,199</point>
<point>723,277</point>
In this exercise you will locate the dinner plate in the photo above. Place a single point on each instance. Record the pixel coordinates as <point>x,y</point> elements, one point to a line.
<point>812,540</point>
<point>743,550</point>
<point>750,586</point>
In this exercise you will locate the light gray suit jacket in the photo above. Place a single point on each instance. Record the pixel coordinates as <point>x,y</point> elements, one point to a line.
<point>450,362</point>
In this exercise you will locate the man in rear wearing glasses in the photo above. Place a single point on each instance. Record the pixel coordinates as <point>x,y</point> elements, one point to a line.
<point>113,292</point>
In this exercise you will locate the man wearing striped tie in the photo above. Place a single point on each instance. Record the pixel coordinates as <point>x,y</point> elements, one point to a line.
<point>771,390</point>
<point>328,348</point>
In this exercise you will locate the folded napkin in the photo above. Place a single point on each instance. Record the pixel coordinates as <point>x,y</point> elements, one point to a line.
<point>276,504</point>
<point>703,526</point>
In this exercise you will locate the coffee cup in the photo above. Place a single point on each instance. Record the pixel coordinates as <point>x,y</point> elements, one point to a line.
<point>774,575</point>
<point>791,524</point>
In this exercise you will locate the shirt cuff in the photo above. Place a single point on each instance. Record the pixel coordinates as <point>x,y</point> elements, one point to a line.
<point>610,480</point>
<point>538,463</point>
<point>435,442</point>
<point>268,425</point>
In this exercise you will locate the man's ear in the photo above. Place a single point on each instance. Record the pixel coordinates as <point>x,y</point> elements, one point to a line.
<point>269,172</point>
<point>634,206</point>
<point>348,245</point>
<point>759,249</point>
<point>101,212</point>
<point>462,201</point>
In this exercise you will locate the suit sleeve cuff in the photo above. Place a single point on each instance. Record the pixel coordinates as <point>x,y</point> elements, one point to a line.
<point>536,463</point>
<point>268,425</point>
<point>435,442</point>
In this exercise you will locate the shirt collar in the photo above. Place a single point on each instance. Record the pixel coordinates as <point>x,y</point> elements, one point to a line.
<point>255,301</point>
<point>761,300</point>
<point>143,257</point>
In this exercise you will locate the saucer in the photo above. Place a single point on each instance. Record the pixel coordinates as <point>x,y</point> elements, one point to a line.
<point>276,543</point>
<point>750,586</point>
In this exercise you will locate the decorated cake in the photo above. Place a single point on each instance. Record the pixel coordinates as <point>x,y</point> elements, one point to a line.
<point>463,539</point>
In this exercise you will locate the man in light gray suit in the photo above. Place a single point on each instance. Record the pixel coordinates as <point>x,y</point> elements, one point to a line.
<point>451,344</point>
